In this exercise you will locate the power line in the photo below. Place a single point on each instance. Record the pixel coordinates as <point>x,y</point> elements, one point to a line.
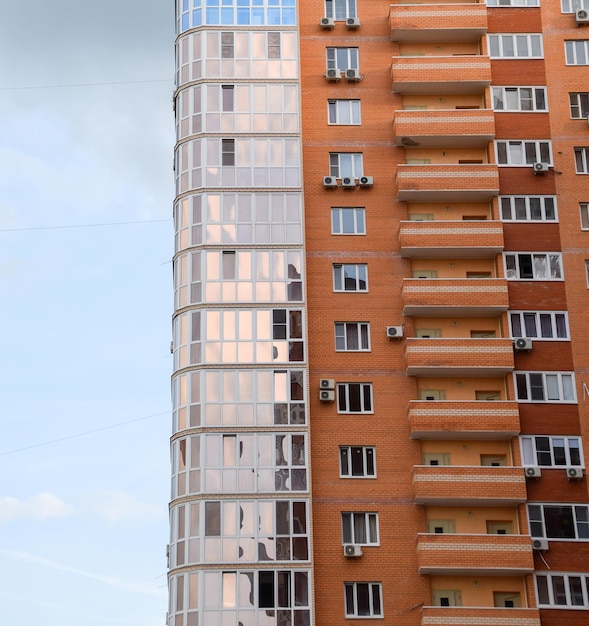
<point>13,230</point>
<point>124,82</point>
<point>88,432</point>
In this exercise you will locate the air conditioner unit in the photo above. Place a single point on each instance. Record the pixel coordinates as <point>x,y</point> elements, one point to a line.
<point>352,551</point>
<point>540,544</point>
<point>540,168</point>
<point>331,75</point>
<point>352,23</point>
<point>574,473</point>
<point>327,383</point>
<point>582,16</point>
<point>326,395</point>
<point>330,182</point>
<point>353,75</point>
<point>366,181</point>
<point>327,23</point>
<point>348,182</point>
<point>394,332</point>
<point>522,344</point>
<point>533,472</point>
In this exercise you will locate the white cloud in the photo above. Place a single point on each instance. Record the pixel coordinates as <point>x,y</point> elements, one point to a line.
<point>40,507</point>
<point>120,506</point>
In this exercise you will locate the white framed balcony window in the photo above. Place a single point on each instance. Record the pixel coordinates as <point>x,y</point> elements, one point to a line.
<point>516,46</point>
<point>577,52</point>
<point>340,10</point>
<point>513,3</point>
<point>544,325</point>
<point>346,164</point>
<point>528,208</point>
<point>519,99</point>
<point>572,6</point>
<point>559,521</point>
<point>514,153</point>
<point>533,265</point>
<point>579,104</point>
<point>342,59</point>
<point>545,387</point>
<point>550,451</point>
<point>344,112</point>
<point>564,590</point>
<point>582,160</point>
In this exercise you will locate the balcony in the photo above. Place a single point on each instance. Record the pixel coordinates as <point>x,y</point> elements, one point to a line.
<point>441,74</point>
<point>438,22</point>
<point>447,240</point>
<point>481,555</point>
<point>477,419</point>
<point>454,485</point>
<point>452,182</point>
<point>453,128</point>
<point>464,297</point>
<point>492,616</point>
<point>459,357</point>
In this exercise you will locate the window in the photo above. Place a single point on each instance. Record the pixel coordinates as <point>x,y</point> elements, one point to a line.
<point>579,103</point>
<point>344,112</point>
<point>363,599</point>
<point>352,337</point>
<point>572,6</point>
<point>587,272</point>
<point>519,99</point>
<point>346,164</point>
<point>227,46</point>
<point>354,398</point>
<point>342,59</point>
<point>582,160</point>
<point>360,528</point>
<point>228,97</point>
<point>288,325</point>
<point>513,3</point>
<point>539,324</point>
<point>562,590</point>
<point>228,151</point>
<point>357,461</point>
<point>584,210</point>
<point>348,221</point>
<point>528,208</point>
<point>577,52</point>
<point>340,9</point>
<point>350,277</point>
<point>533,265</point>
<point>559,521</point>
<point>273,45</point>
<point>515,153</point>
<point>515,46</point>
<point>551,451</point>
<point>545,387</point>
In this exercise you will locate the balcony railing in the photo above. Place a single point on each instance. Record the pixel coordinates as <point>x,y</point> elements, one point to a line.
<point>441,74</point>
<point>438,22</point>
<point>485,555</point>
<point>465,297</point>
<point>452,182</point>
<point>452,239</point>
<point>476,419</point>
<point>456,485</point>
<point>459,357</point>
<point>492,616</point>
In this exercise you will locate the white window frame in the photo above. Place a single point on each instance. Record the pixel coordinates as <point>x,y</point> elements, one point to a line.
<point>368,458</point>
<point>582,159</point>
<point>521,98</point>
<point>576,50</point>
<point>584,215</point>
<point>580,514</point>
<point>535,209</point>
<point>532,456</point>
<point>340,110</point>
<point>572,6</point>
<point>516,152</point>
<point>539,319</point>
<point>562,387</point>
<point>500,41</point>
<point>365,396</point>
<point>350,275</point>
<point>553,578</point>
<point>579,104</point>
<point>369,524</point>
<point>349,57</point>
<point>341,10</point>
<point>513,3</point>
<point>372,588</point>
<point>358,215</point>
<point>587,272</point>
<point>551,260</point>
<point>346,164</point>
<point>348,334</point>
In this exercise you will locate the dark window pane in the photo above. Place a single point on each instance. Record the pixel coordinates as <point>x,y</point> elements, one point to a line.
<point>559,522</point>
<point>363,598</point>
<point>266,590</point>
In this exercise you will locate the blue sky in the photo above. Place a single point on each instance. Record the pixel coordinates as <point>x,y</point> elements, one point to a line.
<point>85,311</point>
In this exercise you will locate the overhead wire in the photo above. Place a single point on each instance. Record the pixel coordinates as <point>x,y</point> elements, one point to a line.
<point>123,82</point>
<point>12,230</point>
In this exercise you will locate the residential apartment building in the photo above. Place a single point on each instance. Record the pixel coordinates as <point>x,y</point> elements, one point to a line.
<point>380,334</point>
